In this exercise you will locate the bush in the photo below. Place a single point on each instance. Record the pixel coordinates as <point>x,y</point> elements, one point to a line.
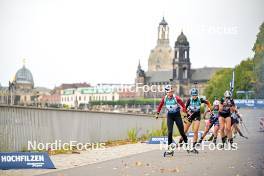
<point>132,135</point>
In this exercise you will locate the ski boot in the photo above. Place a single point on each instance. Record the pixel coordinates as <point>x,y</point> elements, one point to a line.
<point>223,141</point>
<point>211,137</point>
<point>170,150</point>
<point>214,141</point>
<point>231,143</point>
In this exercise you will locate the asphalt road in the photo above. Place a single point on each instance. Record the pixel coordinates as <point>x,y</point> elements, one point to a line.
<point>248,160</point>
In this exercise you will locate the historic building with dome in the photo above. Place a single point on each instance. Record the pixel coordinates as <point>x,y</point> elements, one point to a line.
<point>23,79</point>
<point>172,66</point>
<point>21,90</point>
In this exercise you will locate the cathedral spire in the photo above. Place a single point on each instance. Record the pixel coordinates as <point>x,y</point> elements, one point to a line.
<point>140,72</point>
<point>139,66</point>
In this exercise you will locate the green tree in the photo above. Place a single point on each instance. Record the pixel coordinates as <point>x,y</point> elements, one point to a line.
<point>218,84</point>
<point>249,74</point>
<point>245,78</point>
<point>259,62</point>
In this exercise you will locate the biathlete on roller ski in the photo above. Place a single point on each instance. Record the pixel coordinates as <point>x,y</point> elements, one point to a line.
<point>227,106</point>
<point>213,121</point>
<point>174,105</point>
<point>193,106</point>
<point>236,117</point>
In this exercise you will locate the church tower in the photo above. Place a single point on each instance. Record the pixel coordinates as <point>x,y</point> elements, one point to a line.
<point>163,33</point>
<point>140,80</point>
<point>160,57</point>
<point>181,64</point>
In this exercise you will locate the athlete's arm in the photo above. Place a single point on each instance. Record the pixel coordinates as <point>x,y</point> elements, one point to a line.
<point>233,107</point>
<point>160,105</point>
<point>207,103</point>
<point>179,100</point>
<point>188,103</point>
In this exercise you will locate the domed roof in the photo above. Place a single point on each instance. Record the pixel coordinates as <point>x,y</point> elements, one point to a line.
<point>182,39</point>
<point>24,76</point>
<point>163,22</point>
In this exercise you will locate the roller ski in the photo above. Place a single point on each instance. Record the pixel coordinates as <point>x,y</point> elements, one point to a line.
<point>244,137</point>
<point>166,153</point>
<point>193,151</point>
<point>211,137</point>
<point>214,140</point>
<point>190,149</point>
<point>170,150</point>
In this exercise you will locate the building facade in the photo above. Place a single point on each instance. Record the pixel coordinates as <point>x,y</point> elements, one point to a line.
<point>77,97</point>
<point>21,90</point>
<point>172,66</point>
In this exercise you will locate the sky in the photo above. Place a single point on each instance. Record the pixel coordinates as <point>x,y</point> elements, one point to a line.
<point>102,41</point>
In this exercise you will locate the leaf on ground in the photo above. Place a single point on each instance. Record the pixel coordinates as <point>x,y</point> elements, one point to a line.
<point>138,163</point>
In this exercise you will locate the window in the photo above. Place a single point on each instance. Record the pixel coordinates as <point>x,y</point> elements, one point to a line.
<point>80,98</point>
<point>185,55</point>
<point>185,73</point>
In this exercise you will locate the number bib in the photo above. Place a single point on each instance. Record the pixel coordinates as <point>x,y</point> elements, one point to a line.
<point>195,106</point>
<point>171,104</point>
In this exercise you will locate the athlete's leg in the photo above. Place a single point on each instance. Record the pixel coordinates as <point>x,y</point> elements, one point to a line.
<point>170,128</point>
<point>222,128</point>
<point>228,127</point>
<point>216,128</point>
<point>180,126</point>
<point>233,129</point>
<point>186,128</point>
<point>196,125</point>
<point>207,129</point>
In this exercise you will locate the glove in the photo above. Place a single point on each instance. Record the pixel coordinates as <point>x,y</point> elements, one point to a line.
<point>157,115</point>
<point>189,117</point>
